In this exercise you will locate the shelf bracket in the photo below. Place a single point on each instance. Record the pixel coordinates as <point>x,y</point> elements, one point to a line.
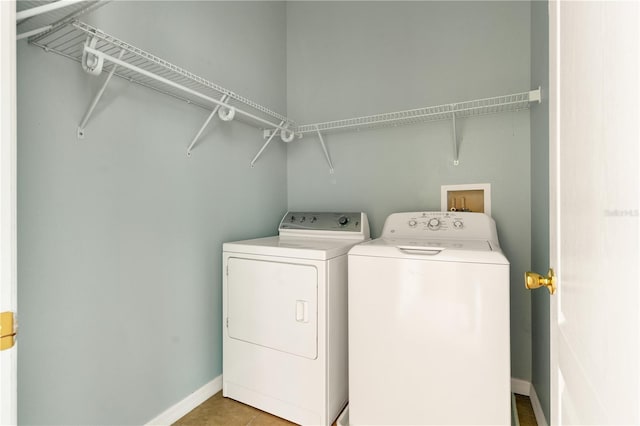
<point>87,115</point>
<point>326,153</point>
<point>455,140</point>
<point>206,123</point>
<point>536,95</point>
<point>273,134</point>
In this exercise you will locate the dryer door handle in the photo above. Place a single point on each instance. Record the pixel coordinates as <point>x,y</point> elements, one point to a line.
<point>421,250</point>
<point>302,311</point>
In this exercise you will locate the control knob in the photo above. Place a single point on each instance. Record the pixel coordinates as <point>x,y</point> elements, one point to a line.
<point>343,220</point>
<point>458,224</point>
<point>412,223</point>
<point>433,224</point>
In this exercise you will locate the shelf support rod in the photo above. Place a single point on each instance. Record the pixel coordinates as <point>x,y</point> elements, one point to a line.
<point>87,115</point>
<point>206,123</point>
<point>33,32</point>
<point>273,134</point>
<point>49,7</point>
<point>455,140</point>
<point>180,87</point>
<point>324,148</point>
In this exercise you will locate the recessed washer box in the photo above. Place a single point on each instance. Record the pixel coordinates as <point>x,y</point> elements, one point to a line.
<point>467,198</point>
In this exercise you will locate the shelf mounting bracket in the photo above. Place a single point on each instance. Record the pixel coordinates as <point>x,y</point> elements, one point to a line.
<point>456,161</point>
<point>206,123</point>
<point>271,136</point>
<point>324,148</point>
<point>93,104</point>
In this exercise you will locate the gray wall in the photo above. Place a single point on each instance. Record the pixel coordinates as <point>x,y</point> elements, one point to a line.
<point>540,201</point>
<point>347,59</point>
<point>120,234</point>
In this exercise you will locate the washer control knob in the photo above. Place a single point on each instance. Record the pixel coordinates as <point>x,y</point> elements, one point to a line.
<point>433,224</point>
<point>458,224</point>
<point>412,223</point>
<point>303,218</point>
<point>293,218</point>
<point>343,220</point>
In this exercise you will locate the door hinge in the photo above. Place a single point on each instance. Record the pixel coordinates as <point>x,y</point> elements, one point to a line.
<point>7,330</point>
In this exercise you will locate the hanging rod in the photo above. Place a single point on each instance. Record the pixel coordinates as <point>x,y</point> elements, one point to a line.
<point>178,86</point>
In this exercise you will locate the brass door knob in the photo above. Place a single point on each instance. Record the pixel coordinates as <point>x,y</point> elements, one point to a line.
<point>533,280</point>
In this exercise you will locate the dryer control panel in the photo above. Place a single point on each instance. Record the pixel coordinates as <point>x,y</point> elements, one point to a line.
<point>449,225</point>
<point>322,221</point>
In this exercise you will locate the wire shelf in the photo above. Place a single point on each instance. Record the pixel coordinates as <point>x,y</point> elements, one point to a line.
<point>146,69</point>
<point>31,19</point>
<point>99,52</point>
<point>498,104</point>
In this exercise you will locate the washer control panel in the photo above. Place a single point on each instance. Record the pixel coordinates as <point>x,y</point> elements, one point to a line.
<point>322,221</point>
<point>457,225</point>
<point>434,221</point>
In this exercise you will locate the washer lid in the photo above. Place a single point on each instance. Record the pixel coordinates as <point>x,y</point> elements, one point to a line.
<point>473,251</point>
<point>293,247</point>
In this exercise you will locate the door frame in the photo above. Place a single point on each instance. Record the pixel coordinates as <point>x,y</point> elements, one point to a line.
<point>8,202</point>
<point>554,129</point>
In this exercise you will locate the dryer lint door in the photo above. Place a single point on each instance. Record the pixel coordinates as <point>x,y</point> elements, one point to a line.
<point>273,304</point>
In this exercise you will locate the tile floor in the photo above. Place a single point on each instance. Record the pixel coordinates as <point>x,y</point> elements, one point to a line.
<point>219,411</point>
<point>525,411</point>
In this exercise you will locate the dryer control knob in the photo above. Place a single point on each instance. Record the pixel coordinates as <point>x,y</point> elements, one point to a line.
<point>433,224</point>
<point>412,223</point>
<point>458,224</point>
<point>343,220</point>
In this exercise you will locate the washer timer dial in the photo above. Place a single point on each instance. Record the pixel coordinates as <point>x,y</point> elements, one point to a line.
<point>433,224</point>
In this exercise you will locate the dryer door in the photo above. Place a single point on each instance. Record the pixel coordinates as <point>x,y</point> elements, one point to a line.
<point>273,304</point>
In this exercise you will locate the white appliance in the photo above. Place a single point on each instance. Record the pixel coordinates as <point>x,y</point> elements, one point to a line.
<point>285,316</point>
<point>429,323</point>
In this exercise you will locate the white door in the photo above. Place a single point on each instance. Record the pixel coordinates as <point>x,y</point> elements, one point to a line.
<point>8,357</point>
<point>594,140</point>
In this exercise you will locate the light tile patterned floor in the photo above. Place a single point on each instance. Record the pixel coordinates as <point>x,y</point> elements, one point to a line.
<point>219,411</point>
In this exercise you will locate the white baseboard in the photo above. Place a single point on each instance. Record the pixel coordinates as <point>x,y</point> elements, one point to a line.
<point>178,410</point>
<point>537,407</point>
<point>523,387</point>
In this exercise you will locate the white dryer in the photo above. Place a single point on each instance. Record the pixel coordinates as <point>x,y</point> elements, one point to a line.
<point>429,323</point>
<point>285,316</point>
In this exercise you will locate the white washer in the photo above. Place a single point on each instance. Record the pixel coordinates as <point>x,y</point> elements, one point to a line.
<point>285,316</point>
<point>429,323</point>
